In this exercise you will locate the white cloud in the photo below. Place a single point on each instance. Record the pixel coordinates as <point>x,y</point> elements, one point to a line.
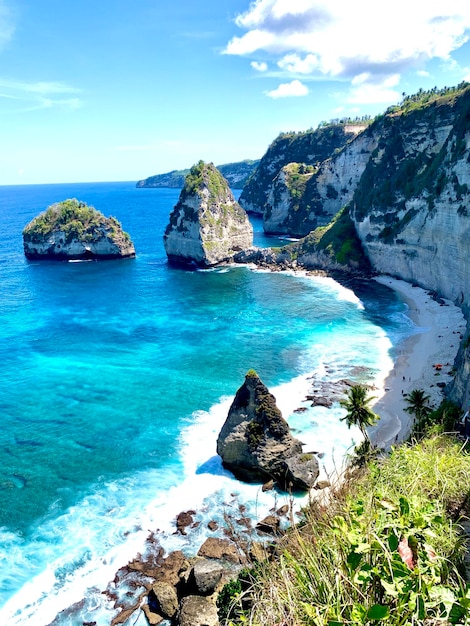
<point>344,39</point>
<point>295,64</point>
<point>259,66</point>
<point>41,87</point>
<point>49,103</point>
<point>380,93</point>
<point>41,94</point>
<point>287,90</point>
<point>7,25</point>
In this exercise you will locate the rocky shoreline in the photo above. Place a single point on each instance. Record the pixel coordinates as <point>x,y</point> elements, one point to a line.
<point>174,588</point>
<point>241,541</point>
<point>184,590</point>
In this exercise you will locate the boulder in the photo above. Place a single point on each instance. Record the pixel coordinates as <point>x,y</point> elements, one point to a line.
<point>223,549</point>
<point>207,574</point>
<point>183,520</point>
<point>207,226</point>
<point>72,230</point>
<point>255,442</point>
<point>269,525</point>
<point>197,611</point>
<point>166,598</point>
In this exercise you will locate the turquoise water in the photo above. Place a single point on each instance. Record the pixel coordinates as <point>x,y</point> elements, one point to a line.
<point>117,376</point>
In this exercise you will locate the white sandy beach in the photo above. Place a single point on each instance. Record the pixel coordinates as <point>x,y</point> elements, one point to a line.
<point>439,330</point>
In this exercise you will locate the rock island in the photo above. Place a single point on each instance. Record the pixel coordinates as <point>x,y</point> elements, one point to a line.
<point>72,230</point>
<point>207,226</point>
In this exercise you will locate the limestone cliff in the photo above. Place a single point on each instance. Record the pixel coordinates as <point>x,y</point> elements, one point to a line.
<point>412,206</point>
<point>284,195</point>
<point>309,147</point>
<point>207,226</point>
<point>255,442</point>
<point>405,181</point>
<point>73,230</point>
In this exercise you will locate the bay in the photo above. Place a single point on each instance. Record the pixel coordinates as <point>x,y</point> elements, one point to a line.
<point>117,376</point>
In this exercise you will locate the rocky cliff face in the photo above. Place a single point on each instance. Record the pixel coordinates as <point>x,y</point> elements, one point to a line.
<point>298,203</point>
<point>255,442</point>
<point>71,230</point>
<point>309,147</point>
<point>406,183</point>
<point>207,226</point>
<point>412,206</point>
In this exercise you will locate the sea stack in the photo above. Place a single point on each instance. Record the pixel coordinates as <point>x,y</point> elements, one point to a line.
<point>72,230</point>
<point>256,445</point>
<point>207,226</point>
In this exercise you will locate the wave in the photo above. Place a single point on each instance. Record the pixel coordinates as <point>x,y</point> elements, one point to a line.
<point>76,555</point>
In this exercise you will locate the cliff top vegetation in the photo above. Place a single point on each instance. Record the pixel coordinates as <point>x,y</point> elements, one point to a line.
<point>236,174</point>
<point>73,217</point>
<point>425,97</point>
<point>384,548</point>
<point>205,175</point>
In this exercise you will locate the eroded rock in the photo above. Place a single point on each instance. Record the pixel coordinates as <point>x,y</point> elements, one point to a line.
<point>255,442</point>
<point>197,611</point>
<point>207,226</point>
<point>72,230</point>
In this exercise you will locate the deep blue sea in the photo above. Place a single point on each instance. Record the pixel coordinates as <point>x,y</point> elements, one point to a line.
<point>117,377</point>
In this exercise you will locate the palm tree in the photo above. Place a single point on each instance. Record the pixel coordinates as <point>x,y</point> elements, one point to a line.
<point>418,405</point>
<point>358,412</point>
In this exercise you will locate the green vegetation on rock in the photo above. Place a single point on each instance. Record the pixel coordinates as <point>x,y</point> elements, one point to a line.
<point>205,176</point>
<point>237,174</point>
<point>338,239</point>
<point>75,219</point>
<point>424,97</point>
<point>385,549</point>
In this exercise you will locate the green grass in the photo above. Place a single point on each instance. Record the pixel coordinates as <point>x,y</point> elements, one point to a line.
<point>384,550</point>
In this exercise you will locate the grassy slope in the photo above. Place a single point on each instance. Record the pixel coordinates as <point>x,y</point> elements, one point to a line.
<point>384,550</point>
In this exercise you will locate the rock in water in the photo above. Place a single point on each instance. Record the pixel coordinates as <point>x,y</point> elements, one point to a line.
<point>207,226</point>
<point>73,230</point>
<point>255,442</point>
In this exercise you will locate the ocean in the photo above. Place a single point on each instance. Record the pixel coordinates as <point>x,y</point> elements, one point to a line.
<point>117,377</point>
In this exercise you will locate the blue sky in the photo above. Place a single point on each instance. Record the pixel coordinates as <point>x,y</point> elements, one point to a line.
<point>107,90</point>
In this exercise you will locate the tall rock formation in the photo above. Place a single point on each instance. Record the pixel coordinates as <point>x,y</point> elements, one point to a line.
<point>310,147</point>
<point>72,230</point>
<point>207,226</point>
<point>255,442</point>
